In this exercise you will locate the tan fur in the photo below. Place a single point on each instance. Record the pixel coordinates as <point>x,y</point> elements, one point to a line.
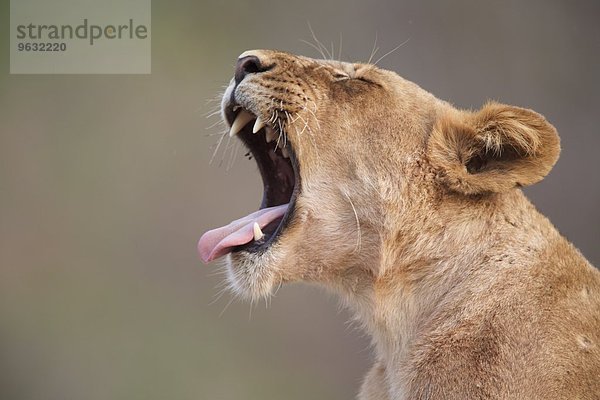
<point>411,210</point>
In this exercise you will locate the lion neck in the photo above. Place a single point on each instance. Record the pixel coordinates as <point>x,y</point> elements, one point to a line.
<point>425,274</point>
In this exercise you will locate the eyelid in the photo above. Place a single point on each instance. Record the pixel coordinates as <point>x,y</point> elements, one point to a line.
<point>340,75</point>
<point>362,78</point>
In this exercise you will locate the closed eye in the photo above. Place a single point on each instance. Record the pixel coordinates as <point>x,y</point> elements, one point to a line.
<point>366,80</point>
<point>340,76</point>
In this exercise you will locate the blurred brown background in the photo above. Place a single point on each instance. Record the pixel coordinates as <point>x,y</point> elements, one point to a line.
<point>105,187</point>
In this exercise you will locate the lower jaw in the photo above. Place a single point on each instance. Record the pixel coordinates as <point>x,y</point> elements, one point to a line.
<point>251,275</point>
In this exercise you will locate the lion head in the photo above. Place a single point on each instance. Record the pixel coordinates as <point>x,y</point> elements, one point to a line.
<point>364,172</point>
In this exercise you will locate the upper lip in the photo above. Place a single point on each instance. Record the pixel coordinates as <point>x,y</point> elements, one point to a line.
<point>280,174</point>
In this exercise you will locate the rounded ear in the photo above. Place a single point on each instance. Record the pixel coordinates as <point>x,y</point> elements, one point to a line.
<point>492,150</point>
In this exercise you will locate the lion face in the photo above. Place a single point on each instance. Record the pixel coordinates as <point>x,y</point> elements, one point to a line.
<point>355,161</point>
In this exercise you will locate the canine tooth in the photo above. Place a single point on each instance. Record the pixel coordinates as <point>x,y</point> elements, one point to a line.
<point>258,125</point>
<point>285,152</point>
<point>240,121</point>
<point>258,234</point>
<point>235,108</point>
<point>270,134</point>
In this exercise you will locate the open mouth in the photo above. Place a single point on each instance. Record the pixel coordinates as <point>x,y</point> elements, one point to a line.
<point>268,144</point>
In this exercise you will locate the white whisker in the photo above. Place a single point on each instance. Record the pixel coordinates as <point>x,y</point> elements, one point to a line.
<point>358,230</point>
<point>391,51</point>
<point>217,148</point>
<point>374,50</point>
<point>312,32</point>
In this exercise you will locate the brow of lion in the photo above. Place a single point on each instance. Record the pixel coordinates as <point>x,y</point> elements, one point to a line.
<point>358,230</point>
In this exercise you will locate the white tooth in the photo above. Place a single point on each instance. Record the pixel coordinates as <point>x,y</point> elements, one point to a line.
<point>240,121</point>
<point>270,134</point>
<point>235,108</point>
<point>285,152</point>
<point>257,232</point>
<point>258,125</point>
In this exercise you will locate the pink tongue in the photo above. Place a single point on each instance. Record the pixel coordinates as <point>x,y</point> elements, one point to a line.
<point>218,242</point>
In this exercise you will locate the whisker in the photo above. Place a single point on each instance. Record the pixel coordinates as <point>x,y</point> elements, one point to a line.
<point>358,230</point>
<point>312,32</point>
<point>213,113</point>
<point>219,122</point>
<point>227,146</point>
<point>314,47</point>
<point>219,295</point>
<point>391,51</point>
<point>217,148</point>
<point>332,50</point>
<point>374,50</point>
<point>234,152</point>
<point>227,305</point>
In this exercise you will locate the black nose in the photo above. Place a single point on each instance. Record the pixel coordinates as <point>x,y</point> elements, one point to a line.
<point>247,65</point>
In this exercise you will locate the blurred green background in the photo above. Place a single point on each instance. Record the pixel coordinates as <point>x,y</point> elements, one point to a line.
<point>105,187</point>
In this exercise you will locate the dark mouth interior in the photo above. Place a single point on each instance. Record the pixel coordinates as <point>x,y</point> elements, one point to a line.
<point>279,175</point>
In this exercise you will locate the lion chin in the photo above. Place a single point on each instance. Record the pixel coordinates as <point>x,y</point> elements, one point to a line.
<point>411,210</point>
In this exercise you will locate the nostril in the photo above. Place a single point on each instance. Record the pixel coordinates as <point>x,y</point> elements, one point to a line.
<point>247,65</point>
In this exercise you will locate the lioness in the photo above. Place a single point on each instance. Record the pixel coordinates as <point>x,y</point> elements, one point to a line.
<point>412,211</point>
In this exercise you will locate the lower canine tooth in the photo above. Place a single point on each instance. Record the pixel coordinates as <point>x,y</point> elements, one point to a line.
<point>240,121</point>
<point>285,152</point>
<point>270,134</point>
<point>257,232</point>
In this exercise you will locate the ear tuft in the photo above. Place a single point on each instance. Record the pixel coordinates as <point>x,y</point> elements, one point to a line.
<point>492,150</point>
